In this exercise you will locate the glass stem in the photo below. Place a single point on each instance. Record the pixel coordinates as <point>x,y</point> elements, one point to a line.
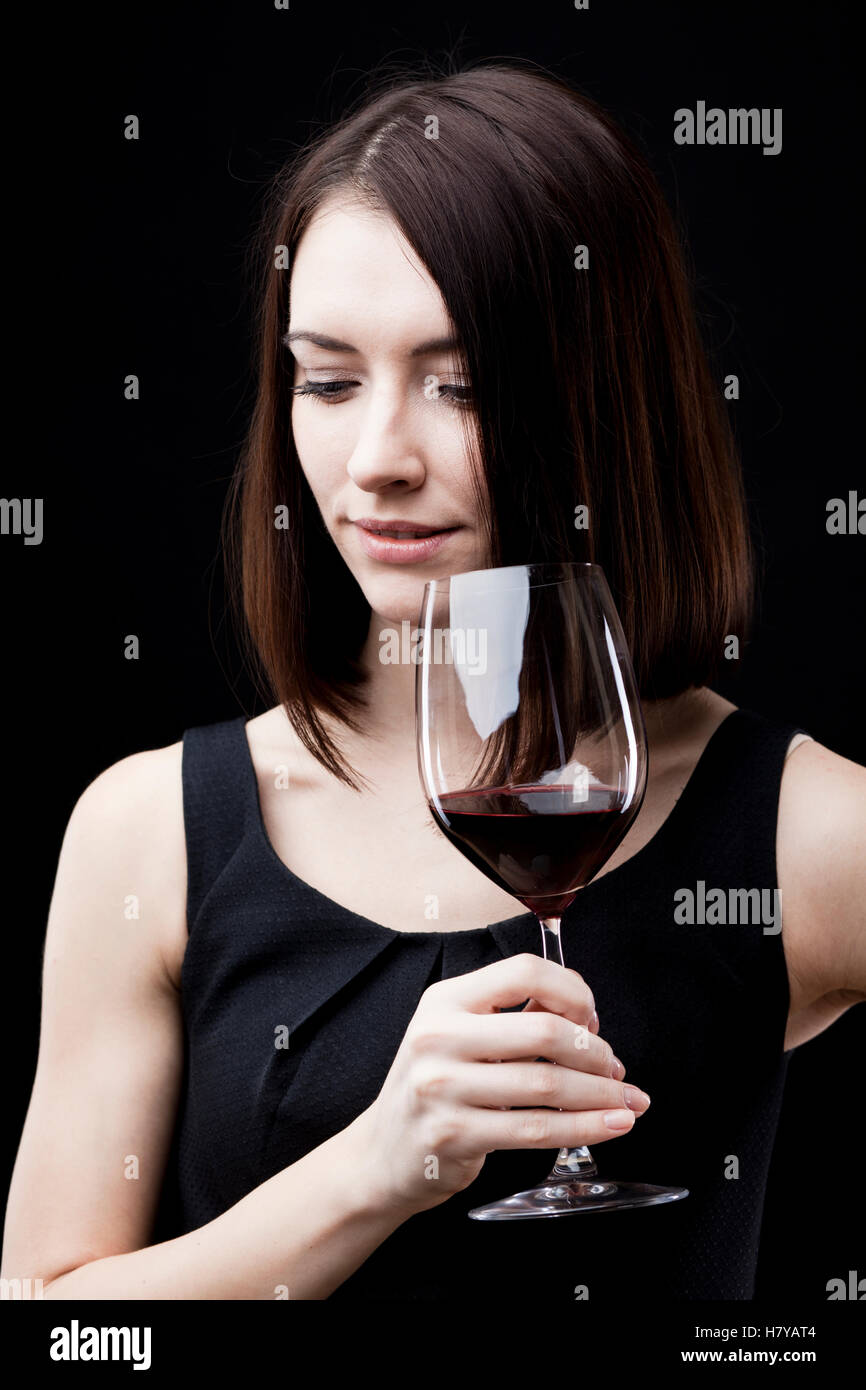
<point>577,1162</point>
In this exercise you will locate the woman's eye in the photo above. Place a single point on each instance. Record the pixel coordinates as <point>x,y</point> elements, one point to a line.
<point>323,390</point>
<point>335,391</point>
<point>458,395</point>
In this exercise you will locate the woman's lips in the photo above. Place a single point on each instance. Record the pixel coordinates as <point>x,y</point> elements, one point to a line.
<point>402,552</point>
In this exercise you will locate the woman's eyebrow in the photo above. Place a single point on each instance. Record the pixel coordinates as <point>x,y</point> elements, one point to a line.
<point>335,345</point>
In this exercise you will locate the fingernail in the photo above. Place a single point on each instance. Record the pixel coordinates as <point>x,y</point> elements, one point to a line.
<point>617,1070</point>
<point>618,1119</point>
<point>594,1020</point>
<point>635,1099</point>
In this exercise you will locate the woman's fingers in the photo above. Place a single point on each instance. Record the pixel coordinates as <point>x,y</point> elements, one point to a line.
<point>521,1036</point>
<point>535,1084</point>
<point>555,1129</point>
<point>533,1007</point>
<point>515,979</point>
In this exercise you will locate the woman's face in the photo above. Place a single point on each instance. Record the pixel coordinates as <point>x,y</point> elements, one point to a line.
<point>379,424</point>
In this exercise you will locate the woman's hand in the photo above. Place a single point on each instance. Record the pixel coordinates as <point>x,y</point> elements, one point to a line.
<point>444,1107</point>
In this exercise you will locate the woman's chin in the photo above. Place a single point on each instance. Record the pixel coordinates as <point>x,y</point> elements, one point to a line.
<point>391,608</point>
<point>397,597</point>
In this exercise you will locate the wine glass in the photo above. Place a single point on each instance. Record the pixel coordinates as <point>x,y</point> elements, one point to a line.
<point>533,758</point>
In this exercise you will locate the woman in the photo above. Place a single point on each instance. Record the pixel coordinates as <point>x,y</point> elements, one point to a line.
<point>476,322</point>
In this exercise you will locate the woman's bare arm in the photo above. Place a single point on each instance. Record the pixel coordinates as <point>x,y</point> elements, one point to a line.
<point>92,1156</point>
<point>821,860</point>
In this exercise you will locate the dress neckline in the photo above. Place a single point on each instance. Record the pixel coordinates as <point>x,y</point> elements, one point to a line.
<point>672,819</point>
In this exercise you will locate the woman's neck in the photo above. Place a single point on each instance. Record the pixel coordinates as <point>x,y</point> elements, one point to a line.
<point>673,725</point>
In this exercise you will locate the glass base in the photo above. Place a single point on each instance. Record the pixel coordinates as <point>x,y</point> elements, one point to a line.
<point>563,1196</point>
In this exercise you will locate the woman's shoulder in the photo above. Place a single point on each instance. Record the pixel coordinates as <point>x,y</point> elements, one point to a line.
<point>822,813</point>
<point>142,787</point>
<point>130,820</point>
<point>822,823</point>
<point>821,872</point>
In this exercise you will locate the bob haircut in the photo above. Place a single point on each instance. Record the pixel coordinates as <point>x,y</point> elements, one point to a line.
<point>590,386</point>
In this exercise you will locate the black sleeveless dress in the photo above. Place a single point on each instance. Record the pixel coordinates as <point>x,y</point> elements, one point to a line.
<point>696,1011</point>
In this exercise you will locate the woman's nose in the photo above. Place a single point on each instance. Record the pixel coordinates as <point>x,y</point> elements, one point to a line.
<point>388,451</point>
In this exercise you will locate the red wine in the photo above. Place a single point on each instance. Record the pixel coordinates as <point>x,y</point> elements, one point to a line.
<point>537,842</point>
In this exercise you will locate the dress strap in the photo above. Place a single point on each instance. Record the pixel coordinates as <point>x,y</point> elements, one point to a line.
<point>736,782</point>
<point>720,865</point>
<point>218,792</point>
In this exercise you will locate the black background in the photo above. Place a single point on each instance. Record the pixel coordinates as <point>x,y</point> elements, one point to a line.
<point>131,257</point>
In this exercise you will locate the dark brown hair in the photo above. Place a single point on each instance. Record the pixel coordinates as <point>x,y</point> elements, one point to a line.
<point>590,386</point>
